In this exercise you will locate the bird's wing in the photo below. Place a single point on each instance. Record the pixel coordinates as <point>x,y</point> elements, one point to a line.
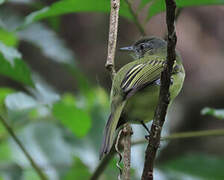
<point>141,75</point>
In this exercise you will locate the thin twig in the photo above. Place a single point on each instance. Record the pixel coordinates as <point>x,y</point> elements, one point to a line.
<point>18,142</point>
<point>114,15</point>
<point>185,135</point>
<point>182,135</point>
<point>127,151</point>
<point>117,144</point>
<point>103,164</point>
<point>161,110</point>
<point>112,41</point>
<point>135,18</point>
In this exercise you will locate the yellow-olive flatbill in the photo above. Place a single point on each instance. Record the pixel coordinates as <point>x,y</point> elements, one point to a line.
<point>135,87</point>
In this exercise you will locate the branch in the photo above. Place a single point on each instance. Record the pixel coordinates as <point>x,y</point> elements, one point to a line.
<point>107,158</point>
<point>177,15</point>
<point>28,156</point>
<point>136,21</point>
<point>161,110</point>
<point>182,135</point>
<point>103,164</point>
<point>112,41</point>
<point>127,151</point>
<point>185,135</point>
<point>114,15</point>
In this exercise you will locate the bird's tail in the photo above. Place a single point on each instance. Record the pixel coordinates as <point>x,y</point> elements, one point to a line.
<point>109,130</point>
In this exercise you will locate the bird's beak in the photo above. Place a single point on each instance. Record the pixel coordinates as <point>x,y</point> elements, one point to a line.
<point>129,48</point>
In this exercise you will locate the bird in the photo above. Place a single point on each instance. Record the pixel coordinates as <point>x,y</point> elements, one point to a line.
<point>135,87</point>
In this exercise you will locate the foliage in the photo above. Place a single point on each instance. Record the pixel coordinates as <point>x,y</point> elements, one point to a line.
<point>78,171</point>
<point>218,113</point>
<point>199,166</point>
<point>158,6</point>
<point>8,38</point>
<point>73,117</point>
<point>55,127</point>
<point>76,6</point>
<point>13,66</point>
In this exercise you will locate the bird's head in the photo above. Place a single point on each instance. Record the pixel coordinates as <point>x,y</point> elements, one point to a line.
<point>148,45</point>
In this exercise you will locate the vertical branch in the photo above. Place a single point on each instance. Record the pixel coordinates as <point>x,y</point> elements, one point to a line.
<point>112,41</point>
<point>28,156</point>
<point>161,110</point>
<point>127,131</point>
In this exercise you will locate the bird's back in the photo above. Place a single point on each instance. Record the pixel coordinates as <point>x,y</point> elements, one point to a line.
<point>141,106</point>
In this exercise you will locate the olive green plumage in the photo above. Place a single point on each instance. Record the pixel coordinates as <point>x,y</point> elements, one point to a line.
<point>135,87</point>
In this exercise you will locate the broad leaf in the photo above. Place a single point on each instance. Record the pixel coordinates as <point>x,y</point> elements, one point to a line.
<point>158,6</point>
<point>78,171</point>
<point>31,174</point>
<point>3,93</point>
<point>9,53</point>
<point>143,3</point>
<point>8,38</point>
<point>72,117</point>
<point>76,6</point>
<point>199,166</point>
<point>5,152</point>
<point>13,66</point>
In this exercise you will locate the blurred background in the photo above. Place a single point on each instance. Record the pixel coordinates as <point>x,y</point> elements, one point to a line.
<point>54,87</point>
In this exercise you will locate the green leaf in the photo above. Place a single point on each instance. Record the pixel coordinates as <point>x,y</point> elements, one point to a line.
<point>76,6</point>
<point>74,118</point>
<point>9,53</point>
<point>8,38</point>
<point>201,166</point>
<point>5,92</point>
<point>55,23</point>
<point>78,171</point>
<point>218,113</point>
<point>143,3</point>
<point>5,152</point>
<point>158,6</point>
<point>30,174</point>
<point>13,66</point>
